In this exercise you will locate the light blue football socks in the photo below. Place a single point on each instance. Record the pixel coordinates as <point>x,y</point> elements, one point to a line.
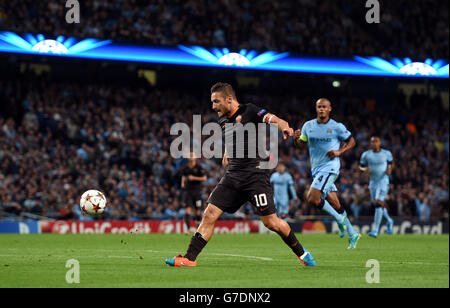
<point>330,210</point>
<point>378,217</point>
<point>386,216</point>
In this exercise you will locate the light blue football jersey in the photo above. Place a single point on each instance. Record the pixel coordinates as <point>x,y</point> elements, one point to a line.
<point>322,138</point>
<point>377,162</point>
<point>283,185</point>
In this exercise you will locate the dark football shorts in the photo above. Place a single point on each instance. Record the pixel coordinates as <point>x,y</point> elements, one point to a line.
<point>193,199</point>
<point>237,188</point>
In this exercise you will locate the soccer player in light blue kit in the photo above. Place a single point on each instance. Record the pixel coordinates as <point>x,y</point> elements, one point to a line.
<point>379,163</point>
<point>283,187</point>
<point>327,140</point>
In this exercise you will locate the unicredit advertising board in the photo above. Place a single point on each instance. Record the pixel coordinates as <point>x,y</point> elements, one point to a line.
<point>140,227</point>
<point>221,227</point>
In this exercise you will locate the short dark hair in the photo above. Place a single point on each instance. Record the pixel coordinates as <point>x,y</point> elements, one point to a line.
<point>225,88</point>
<point>322,99</point>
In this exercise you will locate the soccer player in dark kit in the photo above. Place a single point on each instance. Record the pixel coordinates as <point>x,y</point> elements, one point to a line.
<point>244,181</point>
<point>191,181</point>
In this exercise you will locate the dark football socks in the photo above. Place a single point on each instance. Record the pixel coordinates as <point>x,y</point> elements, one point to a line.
<point>195,246</point>
<point>294,244</point>
<point>340,210</point>
<point>322,204</point>
<point>187,220</point>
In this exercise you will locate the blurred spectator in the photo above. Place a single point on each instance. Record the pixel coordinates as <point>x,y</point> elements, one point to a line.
<point>355,208</point>
<point>408,28</point>
<point>117,139</point>
<point>422,207</point>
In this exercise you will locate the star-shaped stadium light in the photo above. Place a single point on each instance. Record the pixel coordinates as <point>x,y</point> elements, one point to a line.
<point>58,46</point>
<point>243,58</point>
<point>408,67</point>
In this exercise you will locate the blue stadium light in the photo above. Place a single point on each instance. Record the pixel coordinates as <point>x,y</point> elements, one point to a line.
<point>50,46</point>
<point>227,58</point>
<point>17,41</point>
<point>443,71</point>
<point>31,39</point>
<point>251,54</point>
<point>216,53</point>
<point>407,67</point>
<point>233,58</point>
<point>438,64</point>
<point>40,44</point>
<point>220,57</point>
<point>69,42</point>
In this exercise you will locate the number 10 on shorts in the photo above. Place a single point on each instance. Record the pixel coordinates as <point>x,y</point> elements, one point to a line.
<point>261,200</point>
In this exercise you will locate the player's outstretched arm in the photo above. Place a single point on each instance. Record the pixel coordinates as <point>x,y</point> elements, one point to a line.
<point>283,126</point>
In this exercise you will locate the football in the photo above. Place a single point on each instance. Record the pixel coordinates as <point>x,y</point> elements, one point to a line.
<point>93,202</point>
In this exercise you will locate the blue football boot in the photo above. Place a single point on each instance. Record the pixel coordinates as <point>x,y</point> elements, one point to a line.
<point>343,226</point>
<point>373,234</point>
<point>307,259</point>
<point>354,240</point>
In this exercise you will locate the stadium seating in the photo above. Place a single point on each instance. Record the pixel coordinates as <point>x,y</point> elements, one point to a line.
<point>65,137</point>
<point>303,26</point>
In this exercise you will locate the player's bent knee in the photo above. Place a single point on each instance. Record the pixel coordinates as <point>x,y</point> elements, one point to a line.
<point>211,215</point>
<point>273,225</point>
<point>313,201</point>
<point>314,197</point>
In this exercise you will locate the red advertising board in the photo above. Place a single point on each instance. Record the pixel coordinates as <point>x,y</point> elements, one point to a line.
<point>142,227</point>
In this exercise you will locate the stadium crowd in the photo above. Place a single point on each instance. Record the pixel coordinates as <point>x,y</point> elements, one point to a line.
<point>65,138</point>
<point>333,28</point>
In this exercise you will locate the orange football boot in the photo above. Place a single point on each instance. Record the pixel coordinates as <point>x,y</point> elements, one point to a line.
<point>181,261</point>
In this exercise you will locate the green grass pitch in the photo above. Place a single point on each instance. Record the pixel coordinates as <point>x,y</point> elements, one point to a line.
<point>228,261</point>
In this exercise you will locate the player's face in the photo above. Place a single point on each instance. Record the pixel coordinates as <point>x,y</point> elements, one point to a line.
<point>375,143</point>
<point>281,168</point>
<point>220,103</point>
<point>323,109</point>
